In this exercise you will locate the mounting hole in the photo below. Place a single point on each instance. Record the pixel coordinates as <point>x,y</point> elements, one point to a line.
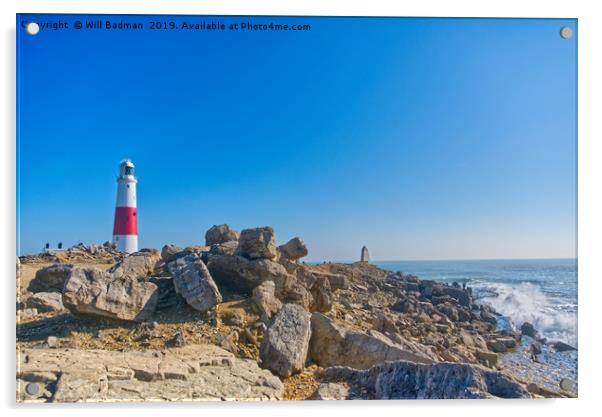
<point>566,384</point>
<point>32,388</point>
<point>32,28</point>
<point>566,32</point>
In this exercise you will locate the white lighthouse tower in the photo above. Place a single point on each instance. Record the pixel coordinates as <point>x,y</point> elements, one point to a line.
<point>125,229</point>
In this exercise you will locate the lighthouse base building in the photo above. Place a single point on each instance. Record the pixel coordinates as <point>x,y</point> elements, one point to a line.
<point>125,228</point>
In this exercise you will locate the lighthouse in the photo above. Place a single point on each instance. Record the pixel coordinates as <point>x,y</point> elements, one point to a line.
<point>125,229</point>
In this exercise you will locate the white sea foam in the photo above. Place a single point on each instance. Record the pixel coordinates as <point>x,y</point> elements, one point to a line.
<point>526,302</point>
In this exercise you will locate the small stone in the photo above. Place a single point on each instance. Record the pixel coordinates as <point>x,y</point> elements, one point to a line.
<point>52,341</point>
<point>249,338</point>
<point>528,330</point>
<point>489,358</point>
<point>179,339</point>
<point>563,347</point>
<point>331,391</point>
<point>235,317</point>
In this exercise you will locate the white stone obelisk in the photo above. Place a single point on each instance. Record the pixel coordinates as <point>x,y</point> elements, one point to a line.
<point>125,229</point>
<point>365,256</point>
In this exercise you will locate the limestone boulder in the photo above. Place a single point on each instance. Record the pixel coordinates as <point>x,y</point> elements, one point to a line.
<point>264,298</point>
<point>242,274</point>
<point>285,344</point>
<point>170,252</point>
<point>322,296</point>
<point>220,234</point>
<point>194,282</point>
<point>331,391</point>
<point>294,249</point>
<point>257,243</point>
<point>192,372</point>
<point>91,291</point>
<point>298,294</point>
<point>45,302</point>
<point>332,345</point>
<point>51,278</point>
<point>137,265</point>
<point>226,248</point>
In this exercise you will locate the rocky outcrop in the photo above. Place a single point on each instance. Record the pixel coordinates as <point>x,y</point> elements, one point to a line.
<point>332,345</point>
<point>257,243</point>
<point>99,293</point>
<point>106,253</point>
<point>194,282</point>
<point>294,249</point>
<point>264,298</point>
<point>285,344</point>
<point>137,265</point>
<point>403,380</point>
<point>51,278</point>
<point>170,252</point>
<point>45,302</point>
<point>220,234</point>
<point>194,372</point>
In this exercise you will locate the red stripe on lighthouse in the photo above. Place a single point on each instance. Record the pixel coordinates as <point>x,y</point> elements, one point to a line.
<point>125,221</point>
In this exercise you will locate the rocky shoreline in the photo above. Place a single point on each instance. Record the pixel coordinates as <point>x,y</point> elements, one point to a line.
<point>241,318</point>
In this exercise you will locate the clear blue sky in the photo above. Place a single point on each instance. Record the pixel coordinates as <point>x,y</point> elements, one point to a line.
<point>420,138</point>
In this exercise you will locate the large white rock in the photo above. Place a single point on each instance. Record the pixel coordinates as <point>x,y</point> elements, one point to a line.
<point>194,282</point>
<point>332,345</point>
<point>242,274</point>
<point>95,292</point>
<point>285,344</point>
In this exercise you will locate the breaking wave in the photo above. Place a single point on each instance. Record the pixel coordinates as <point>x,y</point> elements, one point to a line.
<point>552,315</point>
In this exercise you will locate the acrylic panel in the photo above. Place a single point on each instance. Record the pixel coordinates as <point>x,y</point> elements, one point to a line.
<point>295,208</point>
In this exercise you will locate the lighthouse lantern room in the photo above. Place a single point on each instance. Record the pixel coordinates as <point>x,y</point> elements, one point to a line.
<point>125,229</point>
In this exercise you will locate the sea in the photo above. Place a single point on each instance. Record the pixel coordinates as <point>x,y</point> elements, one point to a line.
<point>540,291</point>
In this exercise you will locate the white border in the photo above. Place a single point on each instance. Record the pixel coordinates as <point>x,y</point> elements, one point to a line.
<point>590,190</point>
